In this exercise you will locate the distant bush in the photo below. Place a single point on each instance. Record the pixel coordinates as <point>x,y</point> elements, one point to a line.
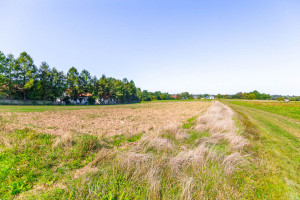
<point>251,96</point>
<point>280,99</point>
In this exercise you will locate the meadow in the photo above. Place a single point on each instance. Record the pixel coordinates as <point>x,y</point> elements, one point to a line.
<point>156,150</point>
<point>291,109</point>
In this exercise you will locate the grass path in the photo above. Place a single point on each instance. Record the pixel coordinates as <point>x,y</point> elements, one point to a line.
<point>278,144</point>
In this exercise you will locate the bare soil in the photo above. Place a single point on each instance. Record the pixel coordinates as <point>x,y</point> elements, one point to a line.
<point>107,120</point>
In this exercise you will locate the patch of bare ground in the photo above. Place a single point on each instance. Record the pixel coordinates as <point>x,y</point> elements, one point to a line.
<point>109,120</point>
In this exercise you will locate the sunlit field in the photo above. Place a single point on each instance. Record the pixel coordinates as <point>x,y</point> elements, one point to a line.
<point>291,109</point>
<point>156,150</point>
<point>274,128</point>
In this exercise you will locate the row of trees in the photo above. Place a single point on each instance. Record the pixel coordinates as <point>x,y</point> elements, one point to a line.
<point>244,95</point>
<point>257,95</point>
<point>20,78</point>
<point>150,96</point>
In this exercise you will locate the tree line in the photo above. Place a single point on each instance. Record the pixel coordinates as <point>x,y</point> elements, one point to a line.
<point>257,95</point>
<point>20,78</point>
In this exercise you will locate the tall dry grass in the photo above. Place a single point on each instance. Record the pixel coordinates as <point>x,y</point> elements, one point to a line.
<point>168,164</point>
<point>158,161</point>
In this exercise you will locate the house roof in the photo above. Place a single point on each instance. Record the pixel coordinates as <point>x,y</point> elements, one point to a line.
<point>81,95</point>
<point>86,95</point>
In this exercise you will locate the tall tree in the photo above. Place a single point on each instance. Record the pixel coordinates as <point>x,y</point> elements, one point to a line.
<point>104,88</point>
<point>3,64</point>
<point>94,86</point>
<point>132,91</point>
<point>58,84</point>
<point>10,73</point>
<point>84,81</point>
<point>73,83</point>
<point>25,72</point>
<point>44,75</point>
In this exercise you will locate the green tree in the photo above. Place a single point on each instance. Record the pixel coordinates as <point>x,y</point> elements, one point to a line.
<point>280,99</point>
<point>219,96</point>
<point>251,96</point>
<point>139,94</point>
<point>94,86</point>
<point>133,91</point>
<point>244,95</point>
<point>84,82</point>
<point>25,72</point>
<point>45,84</point>
<point>3,65</point>
<point>239,95</point>
<point>73,83</point>
<point>119,91</point>
<point>146,96</point>
<point>10,73</point>
<point>58,84</point>
<point>104,88</point>
<point>265,96</point>
<point>257,94</point>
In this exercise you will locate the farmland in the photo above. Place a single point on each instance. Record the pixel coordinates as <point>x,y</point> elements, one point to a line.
<point>157,150</point>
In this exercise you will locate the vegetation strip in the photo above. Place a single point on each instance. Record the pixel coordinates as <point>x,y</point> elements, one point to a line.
<point>276,145</point>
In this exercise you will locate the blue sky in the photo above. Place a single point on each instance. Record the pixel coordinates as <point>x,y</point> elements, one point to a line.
<point>167,45</point>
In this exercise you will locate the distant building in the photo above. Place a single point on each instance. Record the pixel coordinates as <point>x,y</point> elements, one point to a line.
<point>174,96</point>
<point>82,99</point>
<point>209,97</point>
<point>195,96</point>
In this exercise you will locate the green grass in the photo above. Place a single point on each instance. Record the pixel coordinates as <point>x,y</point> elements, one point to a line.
<point>118,140</point>
<point>28,158</point>
<point>291,109</point>
<point>275,141</point>
<point>107,183</point>
<point>190,122</point>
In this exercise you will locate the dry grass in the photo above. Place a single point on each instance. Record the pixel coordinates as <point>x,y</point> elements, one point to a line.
<point>109,120</point>
<point>174,131</point>
<point>65,140</point>
<point>233,162</point>
<point>155,158</point>
<point>187,186</point>
<point>104,154</point>
<point>235,141</point>
<point>218,118</point>
<point>162,159</point>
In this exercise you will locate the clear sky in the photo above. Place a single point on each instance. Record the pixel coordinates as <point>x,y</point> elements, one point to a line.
<point>168,45</point>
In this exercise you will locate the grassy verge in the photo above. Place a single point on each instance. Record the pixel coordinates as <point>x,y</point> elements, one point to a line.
<point>276,143</point>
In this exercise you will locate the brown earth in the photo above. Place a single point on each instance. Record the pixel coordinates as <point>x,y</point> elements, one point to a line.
<point>107,120</point>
